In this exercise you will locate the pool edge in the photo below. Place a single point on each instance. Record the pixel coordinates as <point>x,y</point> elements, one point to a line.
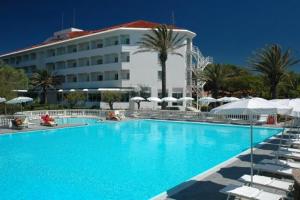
<point>181,186</point>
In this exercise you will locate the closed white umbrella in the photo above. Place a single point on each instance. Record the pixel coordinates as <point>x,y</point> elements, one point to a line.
<point>2,100</point>
<point>186,99</point>
<point>154,99</point>
<point>251,107</point>
<point>207,99</point>
<point>169,99</point>
<point>19,100</point>
<point>137,99</point>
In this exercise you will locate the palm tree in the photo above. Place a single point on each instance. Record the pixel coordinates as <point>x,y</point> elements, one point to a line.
<point>215,76</point>
<point>273,64</point>
<point>163,41</point>
<point>44,80</point>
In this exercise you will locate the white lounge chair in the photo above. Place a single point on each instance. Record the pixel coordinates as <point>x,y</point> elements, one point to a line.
<point>287,154</point>
<point>289,149</point>
<point>247,192</point>
<point>268,182</point>
<point>291,164</point>
<point>274,169</point>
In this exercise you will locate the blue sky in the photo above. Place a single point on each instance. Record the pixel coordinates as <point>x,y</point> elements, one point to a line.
<point>227,30</point>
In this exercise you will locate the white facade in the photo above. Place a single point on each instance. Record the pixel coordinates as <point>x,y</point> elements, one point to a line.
<point>106,59</point>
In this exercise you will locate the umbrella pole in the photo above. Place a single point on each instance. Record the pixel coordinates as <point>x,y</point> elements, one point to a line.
<point>251,145</point>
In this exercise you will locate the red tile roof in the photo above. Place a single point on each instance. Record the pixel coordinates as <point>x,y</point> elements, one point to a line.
<point>75,34</point>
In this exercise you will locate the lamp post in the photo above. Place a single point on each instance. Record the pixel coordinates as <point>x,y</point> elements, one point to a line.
<point>87,95</point>
<point>62,95</point>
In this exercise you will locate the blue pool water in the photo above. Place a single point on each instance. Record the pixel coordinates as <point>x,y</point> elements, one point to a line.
<point>73,120</point>
<point>115,160</point>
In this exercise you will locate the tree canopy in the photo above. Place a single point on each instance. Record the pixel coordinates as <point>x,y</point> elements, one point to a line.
<point>11,79</point>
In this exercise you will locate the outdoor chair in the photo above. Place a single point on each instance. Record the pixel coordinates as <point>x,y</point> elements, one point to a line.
<point>247,192</point>
<point>274,169</point>
<point>268,182</point>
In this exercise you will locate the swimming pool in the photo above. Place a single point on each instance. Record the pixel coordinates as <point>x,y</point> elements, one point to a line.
<point>115,160</point>
<point>76,120</point>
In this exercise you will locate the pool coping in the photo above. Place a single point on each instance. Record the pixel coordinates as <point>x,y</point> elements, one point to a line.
<point>201,176</point>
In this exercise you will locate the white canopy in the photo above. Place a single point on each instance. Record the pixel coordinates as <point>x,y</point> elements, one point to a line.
<point>254,106</point>
<point>2,100</point>
<point>231,99</point>
<point>72,90</point>
<point>169,99</point>
<point>228,99</point>
<point>137,99</point>
<point>282,106</point>
<point>186,99</point>
<point>207,99</point>
<point>293,104</point>
<point>19,100</point>
<point>154,99</point>
<point>85,90</point>
<point>223,99</point>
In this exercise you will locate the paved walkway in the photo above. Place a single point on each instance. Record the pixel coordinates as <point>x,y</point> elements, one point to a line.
<point>34,127</point>
<point>207,188</point>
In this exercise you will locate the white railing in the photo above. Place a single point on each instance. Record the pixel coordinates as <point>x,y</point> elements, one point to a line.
<point>149,114</point>
<point>196,116</point>
<point>36,115</point>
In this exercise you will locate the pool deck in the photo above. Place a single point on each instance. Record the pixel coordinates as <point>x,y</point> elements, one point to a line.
<point>36,127</point>
<point>206,186</point>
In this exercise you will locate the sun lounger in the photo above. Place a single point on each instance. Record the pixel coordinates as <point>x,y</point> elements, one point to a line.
<point>268,182</point>
<point>291,164</point>
<point>287,154</point>
<point>289,149</point>
<point>247,192</point>
<point>274,169</point>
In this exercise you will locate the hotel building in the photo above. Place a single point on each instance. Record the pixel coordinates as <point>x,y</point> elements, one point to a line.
<point>94,61</point>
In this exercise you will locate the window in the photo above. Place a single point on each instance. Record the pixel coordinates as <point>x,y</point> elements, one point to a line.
<point>50,52</point>
<point>72,48</point>
<point>50,67</point>
<point>97,76</point>
<point>83,77</point>
<point>125,75</point>
<point>97,44</point>
<point>83,46</point>
<point>125,57</point>
<point>61,65</point>
<point>71,63</point>
<point>71,78</point>
<point>83,62</point>
<point>61,50</point>
<point>125,39</point>
<point>111,58</point>
<point>18,59</point>
<point>60,78</point>
<point>111,75</point>
<point>32,56</point>
<point>110,41</point>
<point>6,61</point>
<point>177,93</point>
<point>97,60</point>
<point>159,93</point>
<point>159,75</point>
